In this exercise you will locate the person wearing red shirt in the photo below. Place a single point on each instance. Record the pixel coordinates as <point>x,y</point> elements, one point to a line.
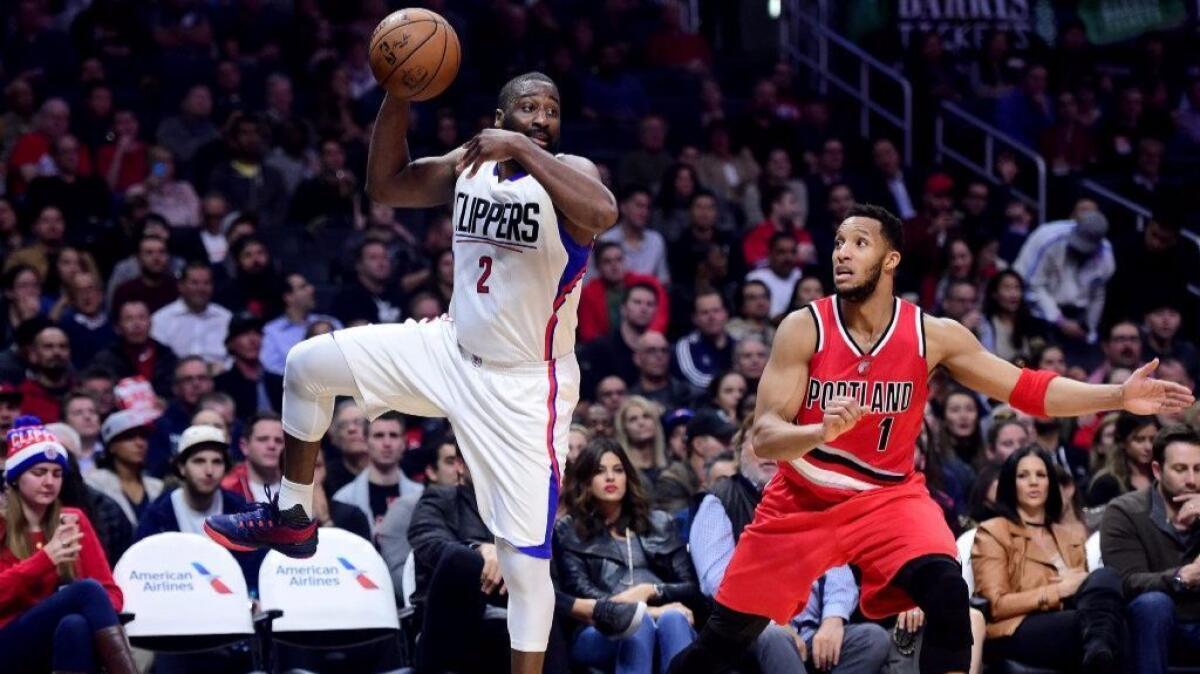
<point>601,298</point>
<point>58,601</point>
<point>30,155</point>
<point>123,163</point>
<point>782,216</point>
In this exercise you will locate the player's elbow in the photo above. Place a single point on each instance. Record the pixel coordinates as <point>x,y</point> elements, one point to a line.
<point>380,191</point>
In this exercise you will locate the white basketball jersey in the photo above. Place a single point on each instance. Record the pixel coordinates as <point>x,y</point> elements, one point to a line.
<point>516,270</point>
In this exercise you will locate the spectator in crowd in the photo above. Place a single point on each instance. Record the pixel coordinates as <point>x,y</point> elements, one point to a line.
<point>645,164</point>
<point>961,425</point>
<point>783,217</point>
<point>640,435</point>
<point>382,482</point>
<point>602,297</point>
<point>49,374</point>
<point>120,470</point>
<point>255,287</point>
<point>85,322</point>
<point>193,325</point>
<point>645,250</point>
<point>761,127</point>
<point>81,413</point>
<point>754,313</point>
<point>1161,327</point>
<point>1148,537</point>
<point>200,461</point>
<point>262,445</point>
<point>59,605</point>
<point>652,358</point>
<point>84,199</point>
<point>123,162</point>
<point>1158,259</point>
<point>750,359</point>
<point>1067,145</point>
<point>1121,348</point>
<point>724,393</point>
<point>708,435</point>
<point>1047,610</point>
<point>31,153</point>
<point>252,388</point>
<point>613,353</point>
<point>184,134</point>
<point>214,212</point>
<point>888,185</point>
<point>372,296</point>
<point>136,353</point>
<point>49,229</point>
<point>725,168</point>
<point>612,392</point>
<point>247,183</point>
<point>166,194</point>
<point>101,383</point>
<point>1003,438</point>
<point>699,233</point>
<point>331,198</point>
<point>280,334</point>
<point>1025,113</point>
<point>1008,328</point>
<point>830,170</point>
<point>605,502</point>
<point>154,285</point>
<point>708,349</point>
<point>777,172</point>
<point>782,272</point>
<point>1067,266</point>
<point>347,445</point>
<point>128,268</point>
<point>192,380</point>
<point>1129,464</point>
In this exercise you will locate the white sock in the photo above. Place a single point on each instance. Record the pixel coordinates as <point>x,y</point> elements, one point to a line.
<point>291,494</point>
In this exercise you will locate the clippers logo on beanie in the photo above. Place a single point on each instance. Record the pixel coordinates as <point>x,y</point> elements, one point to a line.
<point>29,443</point>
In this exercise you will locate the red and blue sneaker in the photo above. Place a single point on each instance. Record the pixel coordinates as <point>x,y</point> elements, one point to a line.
<point>263,525</point>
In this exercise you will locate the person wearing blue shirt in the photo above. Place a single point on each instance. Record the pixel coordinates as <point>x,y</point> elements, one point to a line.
<point>288,330</point>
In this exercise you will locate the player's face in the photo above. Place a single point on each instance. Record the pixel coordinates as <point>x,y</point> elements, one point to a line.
<point>608,485</point>
<point>1033,483</point>
<point>536,112</point>
<point>860,254</point>
<point>1180,472</point>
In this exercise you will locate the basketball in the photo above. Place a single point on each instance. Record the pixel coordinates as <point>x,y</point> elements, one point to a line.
<point>414,54</point>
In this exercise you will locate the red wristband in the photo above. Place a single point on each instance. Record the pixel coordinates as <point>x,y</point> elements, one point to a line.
<point>1029,395</point>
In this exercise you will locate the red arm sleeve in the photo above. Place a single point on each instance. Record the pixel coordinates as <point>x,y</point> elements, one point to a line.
<point>93,563</point>
<point>24,583</point>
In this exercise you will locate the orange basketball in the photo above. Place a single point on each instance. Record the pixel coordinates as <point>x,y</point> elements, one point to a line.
<point>414,54</point>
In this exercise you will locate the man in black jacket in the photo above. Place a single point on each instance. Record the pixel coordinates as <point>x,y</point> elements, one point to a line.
<point>1151,537</point>
<point>460,590</point>
<point>135,352</point>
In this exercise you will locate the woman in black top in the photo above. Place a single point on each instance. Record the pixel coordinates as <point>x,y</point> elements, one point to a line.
<point>611,545</point>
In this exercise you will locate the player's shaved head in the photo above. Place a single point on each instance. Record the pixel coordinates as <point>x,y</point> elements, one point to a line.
<point>520,85</point>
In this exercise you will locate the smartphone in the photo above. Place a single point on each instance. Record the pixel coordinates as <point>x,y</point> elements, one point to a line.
<point>67,519</point>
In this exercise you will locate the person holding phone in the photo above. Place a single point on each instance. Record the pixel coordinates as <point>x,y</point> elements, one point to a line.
<point>58,601</point>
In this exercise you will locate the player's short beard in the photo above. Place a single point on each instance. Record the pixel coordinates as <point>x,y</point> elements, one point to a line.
<point>551,141</point>
<point>864,290</point>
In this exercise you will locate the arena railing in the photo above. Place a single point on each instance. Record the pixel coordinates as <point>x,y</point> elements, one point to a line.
<point>839,62</point>
<point>1109,199</point>
<point>951,123</point>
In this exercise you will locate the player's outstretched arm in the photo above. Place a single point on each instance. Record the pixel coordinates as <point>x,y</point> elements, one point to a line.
<point>781,392</point>
<point>393,178</point>
<point>952,345</point>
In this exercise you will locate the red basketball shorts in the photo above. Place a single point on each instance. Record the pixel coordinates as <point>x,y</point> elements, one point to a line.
<point>794,540</point>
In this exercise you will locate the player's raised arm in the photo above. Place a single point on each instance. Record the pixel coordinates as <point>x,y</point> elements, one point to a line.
<point>781,392</point>
<point>1041,393</point>
<point>393,178</point>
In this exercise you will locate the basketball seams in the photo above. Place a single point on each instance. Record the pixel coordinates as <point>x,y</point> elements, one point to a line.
<point>416,47</point>
<point>445,46</point>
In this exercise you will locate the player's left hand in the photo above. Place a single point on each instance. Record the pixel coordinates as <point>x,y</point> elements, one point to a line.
<point>827,643</point>
<point>911,620</point>
<point>488,145</point>
<point>1142,395</point>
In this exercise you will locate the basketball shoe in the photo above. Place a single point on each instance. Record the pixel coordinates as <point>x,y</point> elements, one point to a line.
<point>263,525</point>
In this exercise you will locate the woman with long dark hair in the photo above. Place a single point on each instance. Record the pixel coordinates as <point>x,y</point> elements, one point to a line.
<point>962,432</point>
<point>680,182</point>
<point>1009,328</point>
<point>1127,467</point>
<point>58,601</point>
<point>1047,610</point>
<point>608,518</point>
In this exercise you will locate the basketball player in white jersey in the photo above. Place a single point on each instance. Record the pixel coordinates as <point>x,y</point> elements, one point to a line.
<point>501,367</point>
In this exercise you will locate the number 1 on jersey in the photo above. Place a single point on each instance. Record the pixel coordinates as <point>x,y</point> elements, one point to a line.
<point>485,263</point>
<point>885,429</point>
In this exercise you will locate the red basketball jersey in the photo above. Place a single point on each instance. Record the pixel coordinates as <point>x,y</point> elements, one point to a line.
<point>888,379</point>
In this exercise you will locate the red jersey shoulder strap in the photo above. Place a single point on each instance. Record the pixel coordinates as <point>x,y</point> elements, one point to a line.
<point>822,314</point>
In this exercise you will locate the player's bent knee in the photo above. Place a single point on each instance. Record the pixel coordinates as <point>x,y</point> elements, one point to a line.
<point>530,598</point>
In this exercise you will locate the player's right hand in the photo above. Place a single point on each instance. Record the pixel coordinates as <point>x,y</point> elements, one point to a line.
<point>841,413</point>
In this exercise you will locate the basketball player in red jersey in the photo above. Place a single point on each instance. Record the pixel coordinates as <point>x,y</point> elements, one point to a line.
<point>840,406</point>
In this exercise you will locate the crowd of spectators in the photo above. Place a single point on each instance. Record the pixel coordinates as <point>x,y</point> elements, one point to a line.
<point>181,203</point>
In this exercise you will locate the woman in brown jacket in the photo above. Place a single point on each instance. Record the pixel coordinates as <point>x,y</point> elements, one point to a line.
<point>1047,610</point>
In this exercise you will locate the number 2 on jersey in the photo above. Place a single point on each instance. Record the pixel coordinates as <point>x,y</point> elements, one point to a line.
<point>885,429</point>
<point>485,263</point>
